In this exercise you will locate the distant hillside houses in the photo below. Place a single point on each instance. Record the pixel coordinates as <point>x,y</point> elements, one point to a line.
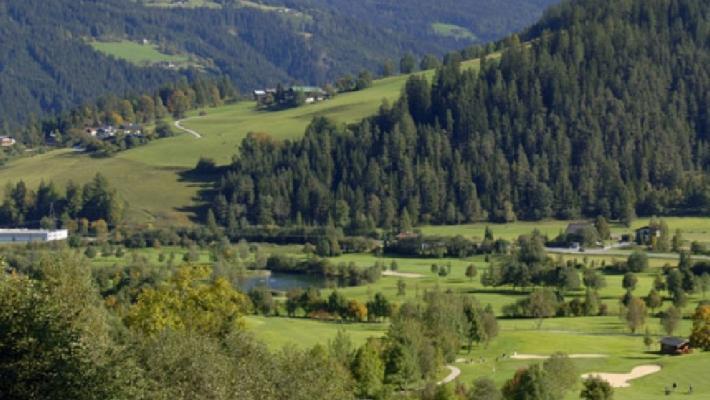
<point>107,132</point>
<point>7,141</point>
<point>293,96</point>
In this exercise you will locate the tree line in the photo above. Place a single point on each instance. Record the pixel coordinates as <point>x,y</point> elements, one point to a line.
<point>78,206</point>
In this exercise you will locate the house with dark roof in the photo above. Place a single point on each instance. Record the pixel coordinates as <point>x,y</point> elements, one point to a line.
<point>577,228</point>
<point>675,345</point>
<point>647,234</point>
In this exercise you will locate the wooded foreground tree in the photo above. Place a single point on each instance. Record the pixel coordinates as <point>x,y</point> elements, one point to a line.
<point>54,337</point>
<point>484,389</point>
<point>186,302</point>
<point>596,388</point>
<point>700,336</point>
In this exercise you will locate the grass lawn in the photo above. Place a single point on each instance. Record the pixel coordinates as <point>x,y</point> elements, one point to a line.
<point>278,332</point>
<point>137,53</point>
<point>509,231</point>
<point>599,335</point>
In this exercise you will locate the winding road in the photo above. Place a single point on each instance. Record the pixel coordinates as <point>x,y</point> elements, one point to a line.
<point>455,372</point>
<point>178,124</point>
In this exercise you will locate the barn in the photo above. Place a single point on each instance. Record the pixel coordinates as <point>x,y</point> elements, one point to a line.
<point>675,345</point>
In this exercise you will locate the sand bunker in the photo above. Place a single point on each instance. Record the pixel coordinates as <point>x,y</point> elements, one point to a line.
<point>401,274</point>
<point>622,380</point>
<point>454,373</point>
<point>516,356</point>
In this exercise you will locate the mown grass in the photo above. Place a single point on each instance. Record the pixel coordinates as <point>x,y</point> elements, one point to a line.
<point>598,335</point>
<point>278,332</point>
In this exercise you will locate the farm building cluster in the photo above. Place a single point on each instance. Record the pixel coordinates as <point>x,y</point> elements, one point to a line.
<point>108,132</point>
<point>580,234</point>
<point>292,96</point>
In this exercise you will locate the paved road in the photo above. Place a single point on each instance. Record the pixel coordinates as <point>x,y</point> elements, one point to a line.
<point>455,372</point>
<point>178,124</point>
<point>618,251</point>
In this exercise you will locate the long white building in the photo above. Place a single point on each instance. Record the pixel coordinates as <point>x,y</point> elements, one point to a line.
<point>32,235</point>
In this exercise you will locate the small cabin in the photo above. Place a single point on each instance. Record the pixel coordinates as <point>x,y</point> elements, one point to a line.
<point>675,345</point>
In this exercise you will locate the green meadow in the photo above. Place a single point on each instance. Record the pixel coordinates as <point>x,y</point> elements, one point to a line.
<point>693,228</point>
<point>454,31</point>
<point>137,53</point>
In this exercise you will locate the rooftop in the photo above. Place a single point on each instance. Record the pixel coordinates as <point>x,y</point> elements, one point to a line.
<point>22,230</point>
<point>673,341</point>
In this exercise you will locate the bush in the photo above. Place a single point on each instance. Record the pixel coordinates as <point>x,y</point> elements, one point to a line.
<point>637,262</point>
<point>90,252</point>
<point>596,388</point>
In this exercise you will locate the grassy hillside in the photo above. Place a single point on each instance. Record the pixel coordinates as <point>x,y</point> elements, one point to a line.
<point>149,177</point>
<point>136,53</point>
<point>454,31</point>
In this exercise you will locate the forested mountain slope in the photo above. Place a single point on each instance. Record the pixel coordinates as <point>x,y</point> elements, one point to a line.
<point>486,20</point>
<point>47,64</point>
<point>607,111</point>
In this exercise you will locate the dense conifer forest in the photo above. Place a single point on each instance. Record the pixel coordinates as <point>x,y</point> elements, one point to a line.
<point>47,64</point>
<point>602,109</point>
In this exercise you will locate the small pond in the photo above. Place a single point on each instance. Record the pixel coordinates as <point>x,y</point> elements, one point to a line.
<point>283,282</point>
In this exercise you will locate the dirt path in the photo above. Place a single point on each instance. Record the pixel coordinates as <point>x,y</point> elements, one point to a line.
<point>178,124</point>
<point>622,380</point>
<point>516,356</point>
<point>401,274</point>
<point>455,372</point>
